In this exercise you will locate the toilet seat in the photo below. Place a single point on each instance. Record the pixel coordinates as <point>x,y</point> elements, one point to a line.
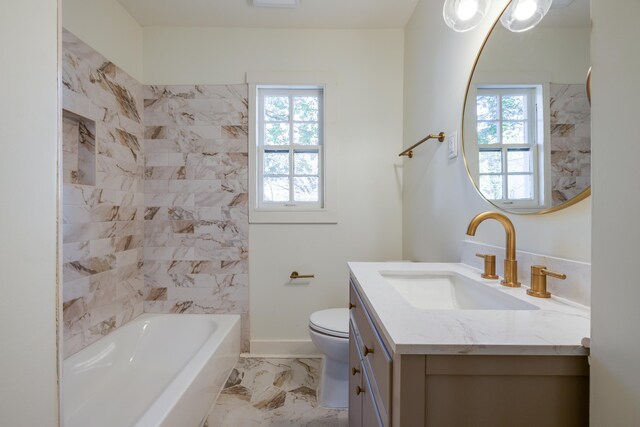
<point>333,322</point>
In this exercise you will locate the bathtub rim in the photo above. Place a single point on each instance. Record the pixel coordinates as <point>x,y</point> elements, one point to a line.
<point>159,410</point>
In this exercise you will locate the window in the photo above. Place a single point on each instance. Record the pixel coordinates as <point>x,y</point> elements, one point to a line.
<point>290,148</point>
<point>293,146</point>
<point>508,145</point>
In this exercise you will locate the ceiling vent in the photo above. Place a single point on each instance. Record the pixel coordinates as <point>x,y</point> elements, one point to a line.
<point>276,3</point>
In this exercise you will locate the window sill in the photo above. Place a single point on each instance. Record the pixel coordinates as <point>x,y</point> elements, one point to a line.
<point>317,216</point>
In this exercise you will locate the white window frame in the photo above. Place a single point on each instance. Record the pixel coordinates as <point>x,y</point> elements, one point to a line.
<point>531,144</point>
<point>290,92</point>
<point>298,212</point>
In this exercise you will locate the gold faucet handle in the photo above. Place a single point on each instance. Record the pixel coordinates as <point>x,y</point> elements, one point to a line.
<point>489,266</point>
<point>552,274</point>
<point>539,275</point>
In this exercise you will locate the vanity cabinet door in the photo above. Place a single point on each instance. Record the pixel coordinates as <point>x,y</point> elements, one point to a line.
<point>363,411</point>
<point>375,356</point>
<point>355,381</point>
<point>370,414</point>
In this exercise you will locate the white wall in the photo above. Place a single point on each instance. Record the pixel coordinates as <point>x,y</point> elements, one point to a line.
<point>368,66</point>
<point>107,27</point>
<point>562,52</point>
<point>615,354</point>
<point>439,199</point>
<point>29,137</point>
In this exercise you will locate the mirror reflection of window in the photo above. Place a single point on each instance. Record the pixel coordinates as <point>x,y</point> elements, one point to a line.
<point>539,161</point>
<point>508,141</point>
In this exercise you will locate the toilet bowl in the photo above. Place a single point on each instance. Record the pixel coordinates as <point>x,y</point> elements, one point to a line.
<point>329,331</point>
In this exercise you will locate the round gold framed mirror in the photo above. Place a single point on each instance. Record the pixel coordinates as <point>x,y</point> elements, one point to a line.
<point>526,126</point>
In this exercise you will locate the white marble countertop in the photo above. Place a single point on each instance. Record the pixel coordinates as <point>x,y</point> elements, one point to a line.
<point>556,328</point>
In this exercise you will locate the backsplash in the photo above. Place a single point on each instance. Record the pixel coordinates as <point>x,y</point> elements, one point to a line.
<point>576,287</point>
<point>196,217</point>
<point>570,141</point>
<point>102,223</point>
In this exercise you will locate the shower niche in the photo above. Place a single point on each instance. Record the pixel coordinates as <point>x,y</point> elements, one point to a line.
<point>78,149</point>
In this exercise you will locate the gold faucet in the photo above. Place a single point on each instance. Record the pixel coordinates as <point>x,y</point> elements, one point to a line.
<point>539,275</point>
<point>510,262</point>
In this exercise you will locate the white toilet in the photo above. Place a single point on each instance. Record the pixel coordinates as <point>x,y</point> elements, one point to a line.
<point>329,331</point>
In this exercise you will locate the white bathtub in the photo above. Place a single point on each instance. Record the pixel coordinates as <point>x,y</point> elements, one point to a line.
<point>158,370</point>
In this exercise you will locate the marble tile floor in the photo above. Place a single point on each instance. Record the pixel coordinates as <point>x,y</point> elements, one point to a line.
<point>273,392</point>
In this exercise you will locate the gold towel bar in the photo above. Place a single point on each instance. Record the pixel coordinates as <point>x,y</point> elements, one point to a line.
<point>409,151</point>
<point>296,275</point>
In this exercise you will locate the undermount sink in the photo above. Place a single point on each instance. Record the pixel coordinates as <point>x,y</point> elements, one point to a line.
<point>448,290</point>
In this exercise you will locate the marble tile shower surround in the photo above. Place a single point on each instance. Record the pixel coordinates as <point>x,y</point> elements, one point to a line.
<point>103,228</point>
<point>570,141</point>
<point>576,287</point>
<point>165,231</point>
<point>196,217</point>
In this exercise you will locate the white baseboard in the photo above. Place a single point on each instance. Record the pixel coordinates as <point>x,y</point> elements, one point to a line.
<point>283,348</point>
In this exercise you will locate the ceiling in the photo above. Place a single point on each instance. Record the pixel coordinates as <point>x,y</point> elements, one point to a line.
<point>240,13</point>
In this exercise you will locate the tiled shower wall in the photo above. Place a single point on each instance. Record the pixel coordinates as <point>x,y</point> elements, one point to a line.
<point>570,141</point>
<point>196,218</point>
<point>165,232</point>
<point>102,224</point>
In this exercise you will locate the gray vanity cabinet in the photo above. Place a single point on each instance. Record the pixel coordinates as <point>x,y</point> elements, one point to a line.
<point>406,390</point>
